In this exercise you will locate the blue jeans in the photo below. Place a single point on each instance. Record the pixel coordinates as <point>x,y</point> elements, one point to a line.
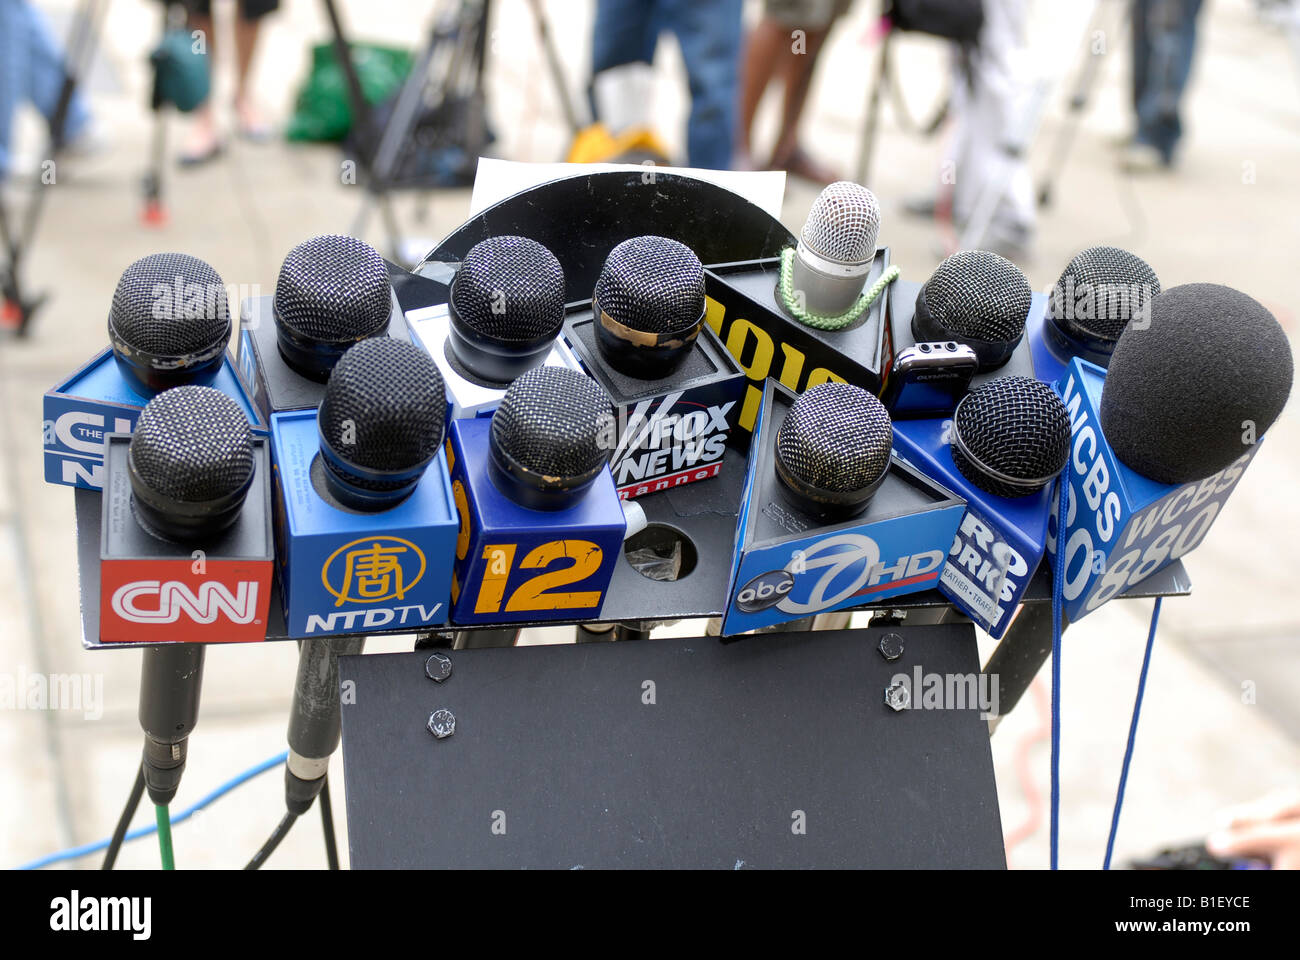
<point>1164,40</point>
<point>31,70</point>
<point>708,32</point>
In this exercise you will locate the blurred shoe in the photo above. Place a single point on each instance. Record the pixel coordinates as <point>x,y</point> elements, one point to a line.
<point>252,126</point>
<point>799,164</point>
<point>927,207</point>
<point>1015,241</point>
<point>202,143</point>
<point>1140,158</point>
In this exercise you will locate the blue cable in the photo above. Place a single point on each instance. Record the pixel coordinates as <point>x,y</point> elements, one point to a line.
<point>1132,734</point>
<point>89,848</point>
<point>1058,614</point>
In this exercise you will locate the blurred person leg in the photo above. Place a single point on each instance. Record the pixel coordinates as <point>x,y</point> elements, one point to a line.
<point>788,42</point>
<point>709,35</point>
<point>252,124</point>
<point>32,70</point>
<point>987,102</point>
<point>202,142</point>
<point>624,32</point>
<point>1164,45</point>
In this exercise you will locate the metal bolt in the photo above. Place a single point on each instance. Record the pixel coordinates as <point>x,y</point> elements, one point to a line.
<point>442,724</point>
<point>897,696</point>
<point>438,667</point>
<point>891,646</point>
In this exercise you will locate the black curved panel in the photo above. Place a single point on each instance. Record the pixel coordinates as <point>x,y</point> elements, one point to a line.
<point>582,218</point>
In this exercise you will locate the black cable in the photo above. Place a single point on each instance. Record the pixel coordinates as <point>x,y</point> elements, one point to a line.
<point>327,822</point>
<point>272,842</point>
<point>124,821</point>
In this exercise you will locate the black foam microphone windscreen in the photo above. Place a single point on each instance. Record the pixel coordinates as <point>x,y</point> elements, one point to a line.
<point>1189,389</point>
<point>190,463</point>
<point>551,437</point>
<point>836,247</point>
<point>332,292</point>
<point>506,307</point>
<point>649,306</point>
<point>1011,436</point>
<point>977,298</point>
<point>832,450</point>
<point>1100,290</point>
<point>169,323</point>
<point>380,423</point>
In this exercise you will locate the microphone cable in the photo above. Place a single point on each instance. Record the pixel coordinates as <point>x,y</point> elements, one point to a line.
<point>1132,733</point>
<point>327,823</point>
<point>163,817</point>
<point>1058,614</point>
<point>279,833</point>
<point>124,821</point>
<point>87,849</point>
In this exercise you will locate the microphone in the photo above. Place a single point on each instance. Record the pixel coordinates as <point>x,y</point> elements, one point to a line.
<point>1005,443</point>
<point>1011,436</point>
<point>1100,290</point>
<point>1182,392</point>
<point>190,463</point>
<point>381,423</point>
<point>551,437</point>
<point>332,292</point>
<point>836,248</point>
<point>649,306</point>
<point>505,310</point>
<point>830,517</point>
<point>366,524</point>
<point>977,298</point>
<point>541,524</point>
<point>1161,439</point>
<point>832,451</point>
<point>169,323</point>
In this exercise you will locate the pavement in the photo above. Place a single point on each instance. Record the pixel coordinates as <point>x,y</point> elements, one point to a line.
<point>1221,721</point>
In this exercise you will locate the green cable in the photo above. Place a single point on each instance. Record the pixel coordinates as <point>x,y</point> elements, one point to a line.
<point>829,323</point>
<point>163,817</point>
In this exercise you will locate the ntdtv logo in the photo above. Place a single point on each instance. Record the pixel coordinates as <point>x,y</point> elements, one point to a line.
<point>153,601</point>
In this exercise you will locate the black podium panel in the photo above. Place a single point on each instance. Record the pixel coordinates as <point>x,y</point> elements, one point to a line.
<point>581,218</point>
<point>557,761</point>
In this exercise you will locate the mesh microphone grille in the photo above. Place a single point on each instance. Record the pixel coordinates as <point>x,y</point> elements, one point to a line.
<point>1015,425</point>
<point>384,407</point>
<point>837,437</point>
<point>170,305</point>
<point>843,223</point>
<point>333,288</point>
<point>192,443</point>
<point>979,295</point>
<point>520,278</point>
<point>1101,289</point>
<point>652,284</point>
<point>555,422</point>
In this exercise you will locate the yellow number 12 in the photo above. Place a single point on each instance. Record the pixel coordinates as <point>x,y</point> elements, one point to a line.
<point>533,593</point>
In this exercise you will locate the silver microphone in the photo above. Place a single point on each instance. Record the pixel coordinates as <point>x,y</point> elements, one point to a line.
<point>836,248</point>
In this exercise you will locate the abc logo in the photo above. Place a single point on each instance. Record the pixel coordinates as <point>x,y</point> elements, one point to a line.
<point>765,590</point>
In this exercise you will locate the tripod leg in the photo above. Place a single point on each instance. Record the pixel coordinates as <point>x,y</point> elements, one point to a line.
<point>873,111</point>
<point>1079,97</point>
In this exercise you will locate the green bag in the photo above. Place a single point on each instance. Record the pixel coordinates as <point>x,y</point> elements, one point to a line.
<point>180,75</point>
<point>322,110</point>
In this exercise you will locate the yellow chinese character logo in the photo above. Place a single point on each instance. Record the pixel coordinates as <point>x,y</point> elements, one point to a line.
<point>372,569</point>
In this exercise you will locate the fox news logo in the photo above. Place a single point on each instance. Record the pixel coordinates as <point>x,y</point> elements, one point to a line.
<point>154,601</point>
<point>678,443</point>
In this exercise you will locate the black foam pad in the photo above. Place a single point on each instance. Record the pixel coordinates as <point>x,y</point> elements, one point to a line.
<point>1185,394</point>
